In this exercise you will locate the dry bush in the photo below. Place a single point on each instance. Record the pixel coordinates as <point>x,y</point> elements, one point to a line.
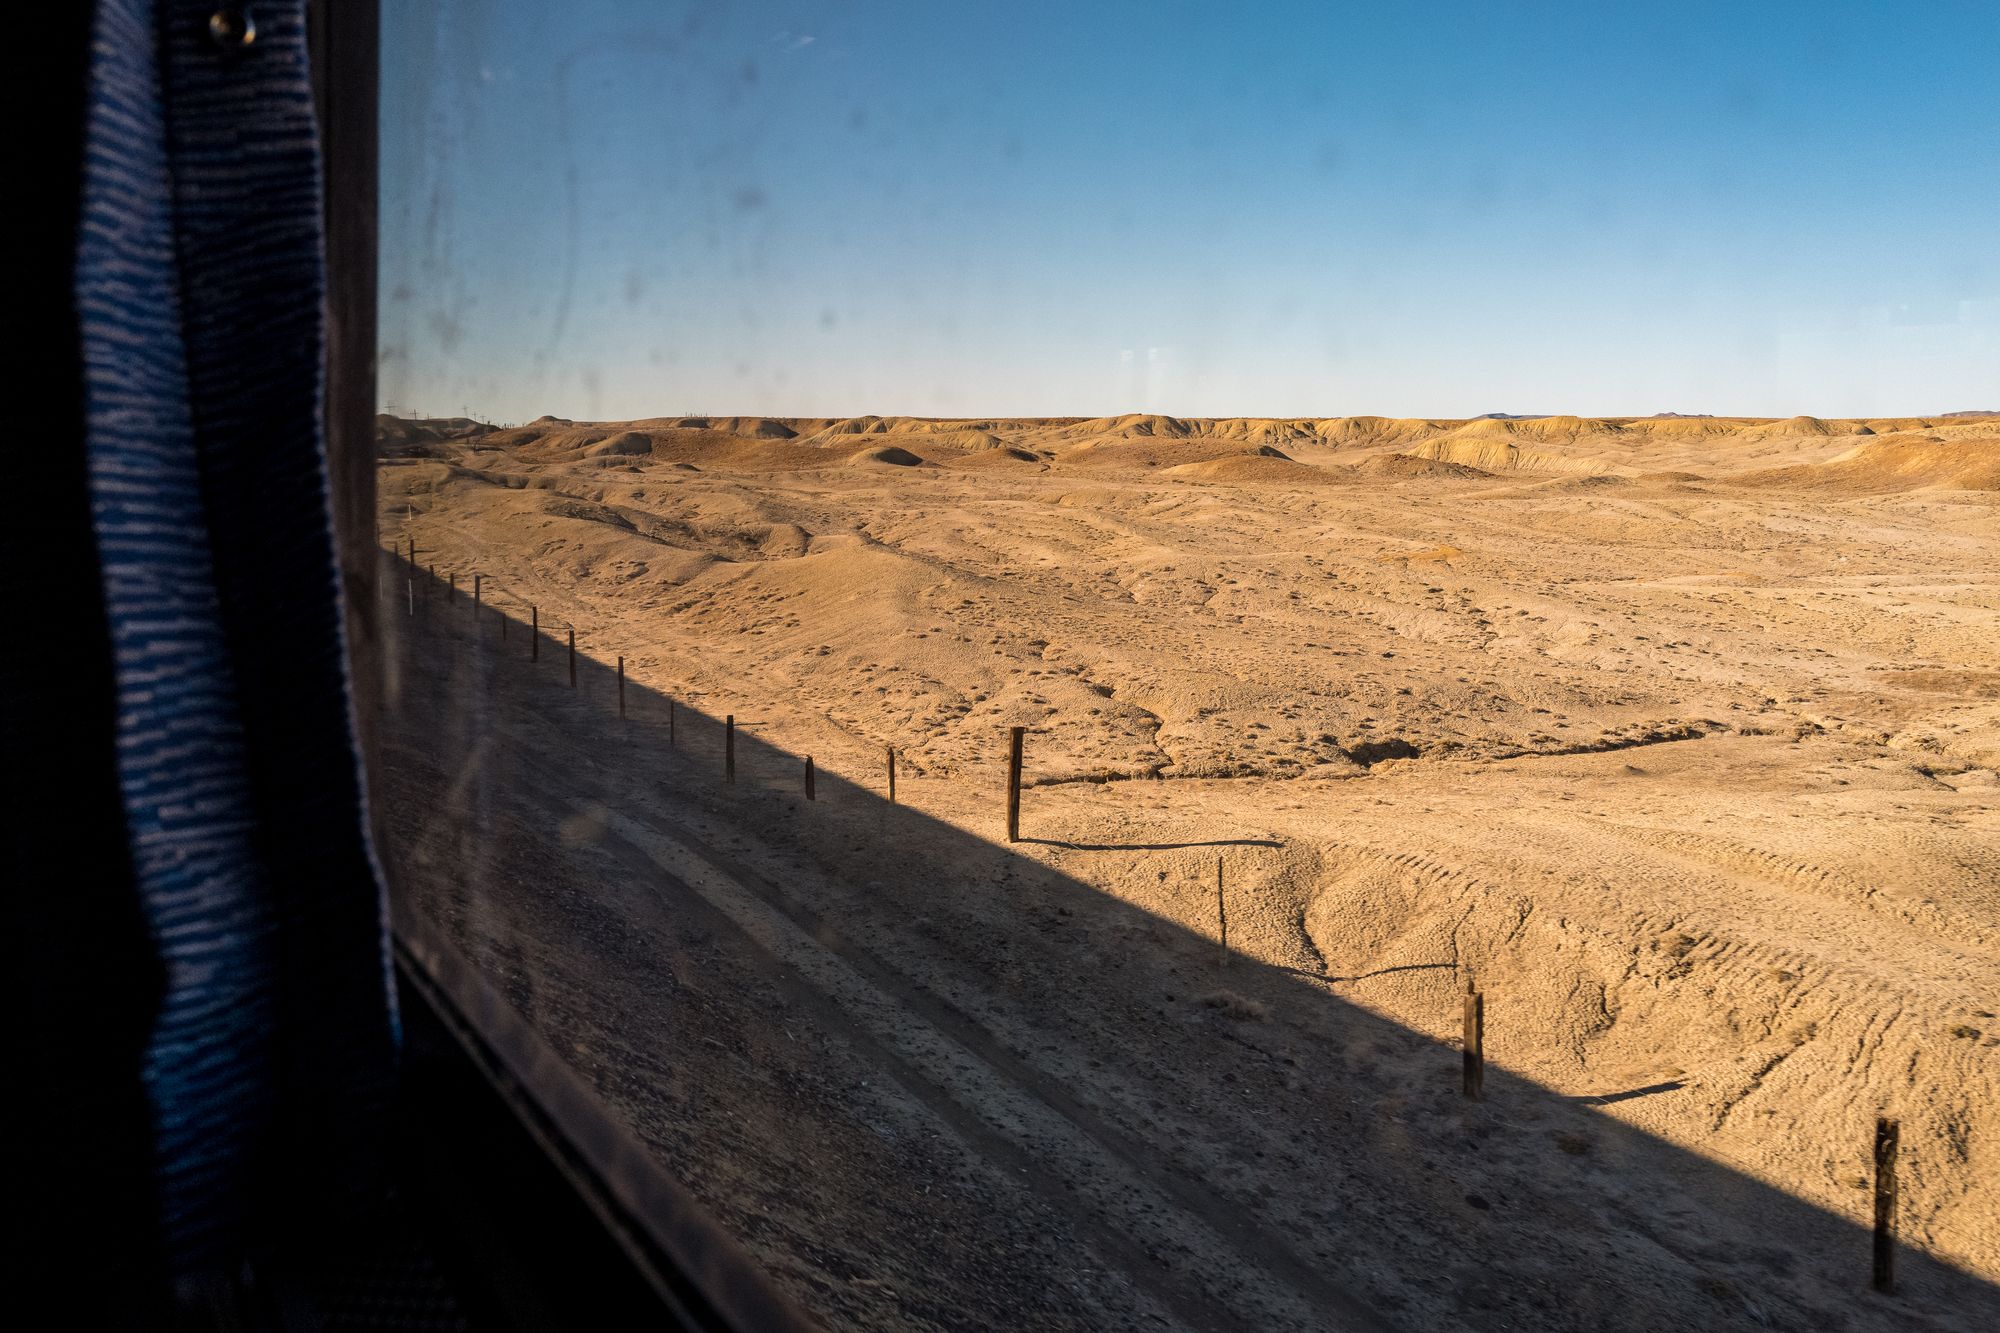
<point>1237,1006</point>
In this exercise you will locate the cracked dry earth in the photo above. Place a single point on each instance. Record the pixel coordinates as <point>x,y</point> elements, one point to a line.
<point>1683,746</point>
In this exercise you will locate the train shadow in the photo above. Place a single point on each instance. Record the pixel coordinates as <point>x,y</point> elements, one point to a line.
<point>1528,1208</point>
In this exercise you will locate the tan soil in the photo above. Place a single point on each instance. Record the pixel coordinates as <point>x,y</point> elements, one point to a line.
<point>1678,736</point>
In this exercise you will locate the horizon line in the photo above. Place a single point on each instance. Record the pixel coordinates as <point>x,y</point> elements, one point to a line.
<point>389,410</point>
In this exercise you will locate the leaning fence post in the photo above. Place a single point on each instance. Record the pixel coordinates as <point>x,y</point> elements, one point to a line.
<point>1475,1042</point>
<point>892,774</point>
<point>1887,1134</point>
<point>410,587</point>
<point>1014,784</point>
<point>729,748</point>
<point>671,710</point>
<point>478,595</point>
<point>809,778</point>
<point>572,657</point>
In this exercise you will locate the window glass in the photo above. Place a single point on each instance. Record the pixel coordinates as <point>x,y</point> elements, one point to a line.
<point>1199,666</point>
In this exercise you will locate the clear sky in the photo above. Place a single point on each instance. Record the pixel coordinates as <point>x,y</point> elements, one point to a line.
<point>616,208</point>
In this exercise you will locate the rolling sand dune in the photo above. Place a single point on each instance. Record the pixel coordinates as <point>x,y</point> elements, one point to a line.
<point>1263,466</point>
<point>1410,465</point>
<point>1680,734</point>
<point>1903,461</point>
<point>1003,455</point>
<point>893,455</point>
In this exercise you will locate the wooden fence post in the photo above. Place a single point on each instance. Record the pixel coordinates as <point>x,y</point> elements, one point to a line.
<point>410,587</point>
<point>1221,915</point>
<point>1887,1134</point>
<point>892,774</point>
<point>478,595</point>
<point>1014,784</point>
<point>1475,1042</point>
<point>729,748</point>
<point>671,710</point>
<point>809,778</point>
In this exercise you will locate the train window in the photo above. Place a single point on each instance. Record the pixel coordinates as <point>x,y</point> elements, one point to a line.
<point>1202,666</point>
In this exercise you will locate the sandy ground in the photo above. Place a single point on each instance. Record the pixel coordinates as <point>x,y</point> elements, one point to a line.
<point>1678,737</point>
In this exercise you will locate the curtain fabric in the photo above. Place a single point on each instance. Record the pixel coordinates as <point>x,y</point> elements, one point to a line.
<point>199,285</point>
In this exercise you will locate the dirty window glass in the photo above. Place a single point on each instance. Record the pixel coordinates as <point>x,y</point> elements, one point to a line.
<point>1193,666</point>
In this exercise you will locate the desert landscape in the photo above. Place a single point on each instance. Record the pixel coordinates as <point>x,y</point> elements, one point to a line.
<point>1677,737</point>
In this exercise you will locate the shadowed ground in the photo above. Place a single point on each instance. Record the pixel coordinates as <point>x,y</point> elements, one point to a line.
<point>938,1082</point>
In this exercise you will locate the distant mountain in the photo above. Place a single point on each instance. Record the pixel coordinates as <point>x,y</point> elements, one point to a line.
<point>1512,416</point>
<point>1973,414</point>
<point>1681,416</point>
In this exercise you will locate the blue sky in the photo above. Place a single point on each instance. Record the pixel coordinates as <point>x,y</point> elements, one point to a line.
<point>611,208</point>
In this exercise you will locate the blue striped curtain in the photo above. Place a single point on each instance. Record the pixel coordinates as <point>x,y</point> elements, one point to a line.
<point>199,282</point>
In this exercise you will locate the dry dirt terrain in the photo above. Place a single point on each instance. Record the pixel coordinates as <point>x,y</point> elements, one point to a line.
<point>1677,737</point>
